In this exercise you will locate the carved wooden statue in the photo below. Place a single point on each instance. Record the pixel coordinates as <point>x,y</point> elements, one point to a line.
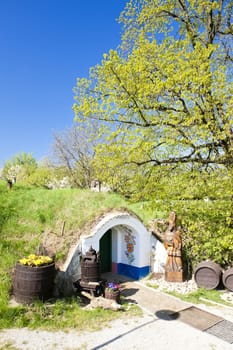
<point>173,245</point>
<point>172,241</point>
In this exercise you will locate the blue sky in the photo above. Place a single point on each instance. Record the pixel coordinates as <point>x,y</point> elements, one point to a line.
<point>44,46</point>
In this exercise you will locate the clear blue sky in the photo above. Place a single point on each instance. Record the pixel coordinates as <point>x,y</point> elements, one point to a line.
<point>44,46</point>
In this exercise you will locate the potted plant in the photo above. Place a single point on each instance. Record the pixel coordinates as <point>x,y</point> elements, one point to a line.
<point>34,260</point>
<point>112,291</point>
<point>33,278</point>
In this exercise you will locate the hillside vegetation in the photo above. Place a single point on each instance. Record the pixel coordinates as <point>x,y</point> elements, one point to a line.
<point>27,213</point>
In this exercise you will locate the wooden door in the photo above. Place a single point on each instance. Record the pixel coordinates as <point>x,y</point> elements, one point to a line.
<point>106,252</point>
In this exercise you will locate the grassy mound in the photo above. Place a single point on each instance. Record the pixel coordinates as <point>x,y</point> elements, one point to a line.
<point>27,215</point>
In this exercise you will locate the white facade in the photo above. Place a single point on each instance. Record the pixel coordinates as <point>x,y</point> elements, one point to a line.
<point>134,251</point>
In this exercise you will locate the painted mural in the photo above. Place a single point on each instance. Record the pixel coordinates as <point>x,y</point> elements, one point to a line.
<point>130,240</point>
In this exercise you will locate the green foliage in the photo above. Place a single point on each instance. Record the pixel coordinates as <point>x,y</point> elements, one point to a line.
<point>24,169</point>
<point>206,232</point>
<point>163,99</point>
<point>202,201</point>
<point>42,176</point>
<point>20,167</point>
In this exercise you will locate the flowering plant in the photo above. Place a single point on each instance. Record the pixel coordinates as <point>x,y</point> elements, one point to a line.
<point>36,260</point>
<point>113,287</point>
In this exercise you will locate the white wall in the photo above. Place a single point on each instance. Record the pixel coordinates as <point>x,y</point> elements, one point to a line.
<point>158,255</point>
<point>121,225</point>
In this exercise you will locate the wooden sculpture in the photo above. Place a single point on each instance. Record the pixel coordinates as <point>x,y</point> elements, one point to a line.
<point>170,235</point>
<point>173,245</point>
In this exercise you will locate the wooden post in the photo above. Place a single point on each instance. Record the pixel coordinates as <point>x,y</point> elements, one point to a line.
<point>63,228</point>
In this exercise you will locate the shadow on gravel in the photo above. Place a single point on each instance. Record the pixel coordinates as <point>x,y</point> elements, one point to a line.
<point>122,335</point>
<point>129,292</point>
<point>167,315</point>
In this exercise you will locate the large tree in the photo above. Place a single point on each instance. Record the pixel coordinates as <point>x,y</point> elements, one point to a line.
<point>166,96</point>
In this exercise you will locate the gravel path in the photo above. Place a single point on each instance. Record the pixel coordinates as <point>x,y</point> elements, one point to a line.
<point>135,333</point>
<point>146,332</point>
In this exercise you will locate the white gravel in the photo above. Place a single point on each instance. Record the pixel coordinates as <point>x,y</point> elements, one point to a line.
<point>227,296</point>
<point>179,287</point>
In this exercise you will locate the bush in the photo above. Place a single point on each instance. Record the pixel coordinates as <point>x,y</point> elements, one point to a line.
<point>207,233</point>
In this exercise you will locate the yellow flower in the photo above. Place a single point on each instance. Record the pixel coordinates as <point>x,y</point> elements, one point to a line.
<point>36,260</point>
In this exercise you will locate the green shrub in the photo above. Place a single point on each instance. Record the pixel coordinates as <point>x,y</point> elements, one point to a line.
<point>206,230</point>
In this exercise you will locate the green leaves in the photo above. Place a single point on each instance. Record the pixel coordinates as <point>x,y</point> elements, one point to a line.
<point>165,103</point>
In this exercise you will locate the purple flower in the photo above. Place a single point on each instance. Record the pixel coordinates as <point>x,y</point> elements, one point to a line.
<point>113,286</point>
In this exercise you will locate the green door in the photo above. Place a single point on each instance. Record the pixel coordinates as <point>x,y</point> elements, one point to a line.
<point>106,252</point>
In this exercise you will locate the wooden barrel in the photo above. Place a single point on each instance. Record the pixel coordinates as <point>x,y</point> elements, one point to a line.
<point>208,275</point>
<point>227,279</point>
<point>31,283</point>
<point>90,266</point>
<point>90,271</point>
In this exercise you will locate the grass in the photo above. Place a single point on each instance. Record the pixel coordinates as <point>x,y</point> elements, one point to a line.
<point>201,295</point>
<point>61,314</point>
<point>25,214</point>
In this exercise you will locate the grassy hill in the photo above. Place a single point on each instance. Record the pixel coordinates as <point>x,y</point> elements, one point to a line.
<point>27,213</point>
